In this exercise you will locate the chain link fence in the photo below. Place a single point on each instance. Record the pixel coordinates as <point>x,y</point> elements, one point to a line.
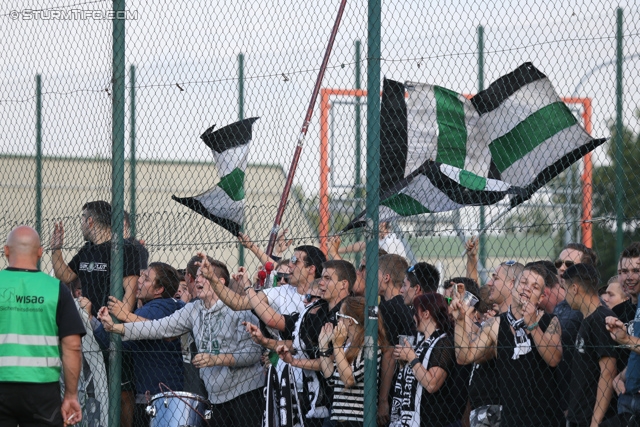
<point>204,103</point>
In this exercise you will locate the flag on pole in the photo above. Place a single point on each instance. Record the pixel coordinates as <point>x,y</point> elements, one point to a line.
<point>441,150</point>
<point>224,203</point>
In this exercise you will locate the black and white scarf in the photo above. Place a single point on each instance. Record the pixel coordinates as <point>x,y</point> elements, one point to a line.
<point>522,342</point>
<point>407,393</point>
<point>281,395</point>
<point>313,399</point>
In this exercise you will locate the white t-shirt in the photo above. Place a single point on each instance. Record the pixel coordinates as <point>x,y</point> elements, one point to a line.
<point>284,299</point>
<point>393,245</point>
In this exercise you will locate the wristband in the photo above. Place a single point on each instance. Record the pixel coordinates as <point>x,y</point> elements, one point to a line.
<point>414,362</point>
<point>325,353</point>
<point>532,326</point>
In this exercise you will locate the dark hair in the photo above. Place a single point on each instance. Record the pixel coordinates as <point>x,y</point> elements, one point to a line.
<point>167,277</point>
<point>550,279</point>
<point>395,266</point>
<point>425,275</point>
<point>313,256</point>
<point>551,268</point>
<point>437,306</point>
<point>589,256</point>
<point>631,251</point>
<point>283,261</point>
<point>100,211</point>
<point>219,268</point>
<point>343,269</point>
<point>469,285</point>
<point>585,275</point>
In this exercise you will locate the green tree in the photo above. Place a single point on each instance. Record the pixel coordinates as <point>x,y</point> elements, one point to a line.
<point>604,200</point>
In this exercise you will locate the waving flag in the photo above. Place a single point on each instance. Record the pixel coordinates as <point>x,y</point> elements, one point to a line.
<point>441,151</point>
<point>224,203</point>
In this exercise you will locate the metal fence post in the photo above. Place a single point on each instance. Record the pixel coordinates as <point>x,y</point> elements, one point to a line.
<point>373,200</point>
<point>117,197</point>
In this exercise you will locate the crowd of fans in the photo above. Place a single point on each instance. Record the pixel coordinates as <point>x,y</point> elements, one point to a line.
<point>540,344</point>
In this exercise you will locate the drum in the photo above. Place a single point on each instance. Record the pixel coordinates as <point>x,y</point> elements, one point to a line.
<point>178,409</point>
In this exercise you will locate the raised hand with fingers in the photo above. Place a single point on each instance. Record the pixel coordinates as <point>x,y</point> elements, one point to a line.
<point>617,329</point>
<point>118,308</point>
<point>404,351</point>
<point>471,247</point>
<point>326,336</point>
<point>206,268</point>
<point>57,237</point>
<point>105,318</point>
<point>85,304</point>
<point>284,354</point>
<point>282,244</point>
<point>255,332</point>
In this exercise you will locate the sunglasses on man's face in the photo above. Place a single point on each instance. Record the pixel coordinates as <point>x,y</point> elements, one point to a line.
<point>567,263</point>
<point>283,276</point>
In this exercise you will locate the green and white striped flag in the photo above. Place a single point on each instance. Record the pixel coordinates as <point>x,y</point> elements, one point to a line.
<point>442,151</point>
<point>224,203</point>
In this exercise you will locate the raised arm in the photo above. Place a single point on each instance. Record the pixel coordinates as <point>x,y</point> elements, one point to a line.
<point>122,312</point>
<point>231,299</point>
<point>333,245</point>
<point>618,332</point>
<point>262,256</point>
<point>264,311</point>
<point>61,269</point>
<point>473,345</point>
<point>549,342</point>
<point>471,250</point>
<point>354,247</point>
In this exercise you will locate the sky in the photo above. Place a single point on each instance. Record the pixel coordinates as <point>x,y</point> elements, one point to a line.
<point>186,59</point>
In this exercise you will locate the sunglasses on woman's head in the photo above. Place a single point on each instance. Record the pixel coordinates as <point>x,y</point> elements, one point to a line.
<point>566,262</point>
<point>344,316</point>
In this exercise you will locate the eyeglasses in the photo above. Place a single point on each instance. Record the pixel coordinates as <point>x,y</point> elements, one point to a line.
<point>283,276</point>
<point>510,263</point>
<point>344,316</point>
<point>293,259</point>
<point>566,262</point>
<point>311,298</point>
<point>411,269</point>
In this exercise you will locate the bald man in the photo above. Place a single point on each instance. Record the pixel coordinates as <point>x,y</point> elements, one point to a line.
<point>40,332</point>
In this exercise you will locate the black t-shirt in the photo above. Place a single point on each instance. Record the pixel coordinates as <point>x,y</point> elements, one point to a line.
<point>592,344</point>
<point>397,318</point>
<point>92,264</point>
<point>528,391</point>
<point>437,409</point>
<point>625,311</point>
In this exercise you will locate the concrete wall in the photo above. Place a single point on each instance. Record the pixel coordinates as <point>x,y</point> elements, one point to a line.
<point>172,232</point>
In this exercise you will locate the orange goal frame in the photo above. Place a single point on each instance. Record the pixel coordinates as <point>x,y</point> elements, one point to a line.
<point>325,107</point>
